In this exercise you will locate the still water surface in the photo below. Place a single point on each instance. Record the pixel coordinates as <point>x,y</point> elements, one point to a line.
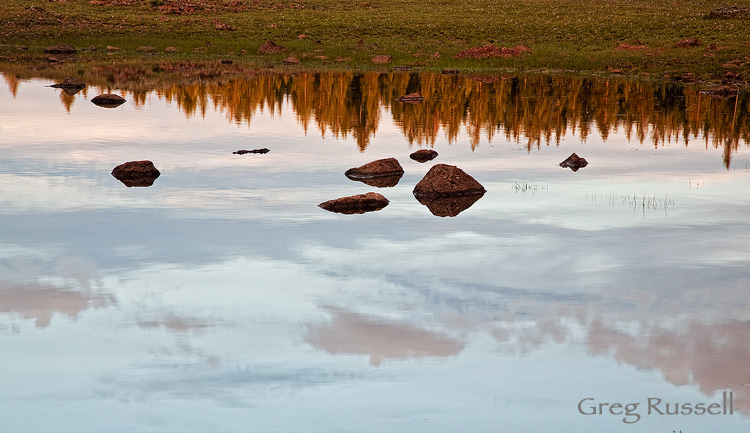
<point>222,299</point>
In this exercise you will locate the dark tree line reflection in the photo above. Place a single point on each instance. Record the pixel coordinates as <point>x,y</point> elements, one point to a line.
<point>533,110</point>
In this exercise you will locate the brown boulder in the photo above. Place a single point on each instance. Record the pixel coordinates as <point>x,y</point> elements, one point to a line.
<point>447,181</point>
<point>574,162</point>
<point>108,100</point>
<point>270,47</point>
<point>356,204</point>
<point>381,173</point>
<point>136,173</point>
<point>60,49</point>
<point>424,155</point>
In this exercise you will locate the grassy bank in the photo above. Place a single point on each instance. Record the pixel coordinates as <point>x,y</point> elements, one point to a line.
<point>631,37</point>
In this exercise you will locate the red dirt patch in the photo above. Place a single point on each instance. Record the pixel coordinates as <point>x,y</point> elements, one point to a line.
<point>685,43</point>
<point>629,47</point>
<point>492,51</point>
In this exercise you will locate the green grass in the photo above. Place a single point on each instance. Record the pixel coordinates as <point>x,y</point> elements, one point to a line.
<point>565,35</point>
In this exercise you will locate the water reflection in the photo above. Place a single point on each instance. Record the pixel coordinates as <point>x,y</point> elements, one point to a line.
<point>223,286</point>
<point>535,110</point>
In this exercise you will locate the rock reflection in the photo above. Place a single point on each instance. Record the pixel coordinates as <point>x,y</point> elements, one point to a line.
<point>449,206</point>
<point>379,338</point>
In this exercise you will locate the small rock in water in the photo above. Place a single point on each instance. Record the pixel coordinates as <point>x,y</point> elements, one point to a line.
<point>424,155</point>
<point>381,173</point>
<point>70,83</point>
<point>108,100</point>
<point>574,162</point>
<point>379,168</point>
<point>243,151</point>
<point>136,173</point>
<point>356,204</point>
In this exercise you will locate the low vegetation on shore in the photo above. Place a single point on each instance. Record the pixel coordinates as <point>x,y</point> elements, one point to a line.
<point>686,40</point>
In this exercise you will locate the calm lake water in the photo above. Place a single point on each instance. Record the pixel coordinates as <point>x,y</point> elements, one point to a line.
<point>222,299</point>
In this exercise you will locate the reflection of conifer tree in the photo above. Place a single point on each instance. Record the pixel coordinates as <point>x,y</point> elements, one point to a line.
<point>535,110</point>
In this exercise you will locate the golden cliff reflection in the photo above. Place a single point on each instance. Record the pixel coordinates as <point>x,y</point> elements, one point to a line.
<point>533,110</point>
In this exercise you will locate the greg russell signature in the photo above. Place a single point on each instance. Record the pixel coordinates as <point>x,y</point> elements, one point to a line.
<point>631,412</point>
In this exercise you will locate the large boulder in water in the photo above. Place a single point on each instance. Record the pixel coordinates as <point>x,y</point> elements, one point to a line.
<point>447,181</point>
<point>356,204</point>
<point>380,173</point>
<point>136,173</point>
<point>108,100</point>
<point>574,162</point>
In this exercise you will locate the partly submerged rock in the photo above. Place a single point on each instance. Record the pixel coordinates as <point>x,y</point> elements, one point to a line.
<point>447,181</point>
<point>356,204</point>
<point>424,155</point>
<point>136,173</point>
<point>411,97</point>
<point>108,100</point>
<point>448,206</point>
<point>574,162</point>
<point>243,151</point>
<point>270,47</point>
<point>380,173</point>
<point>61,49</point>
<point>70,83</point>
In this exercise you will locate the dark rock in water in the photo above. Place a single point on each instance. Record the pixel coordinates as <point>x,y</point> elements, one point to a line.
<point>381,169</point>
<point>450,71</point>
<point>447,181</point>
<point>449,206</point>
<point>243,151</point>
<point>356,204</point>
<point>60,49</point>
<point>108,100</point>
<point>136,173</point>
<point>424,155</point>
<point>411,97</point>
<point>270,47</point>
<point>70,83</point>
<point>574,162</point>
